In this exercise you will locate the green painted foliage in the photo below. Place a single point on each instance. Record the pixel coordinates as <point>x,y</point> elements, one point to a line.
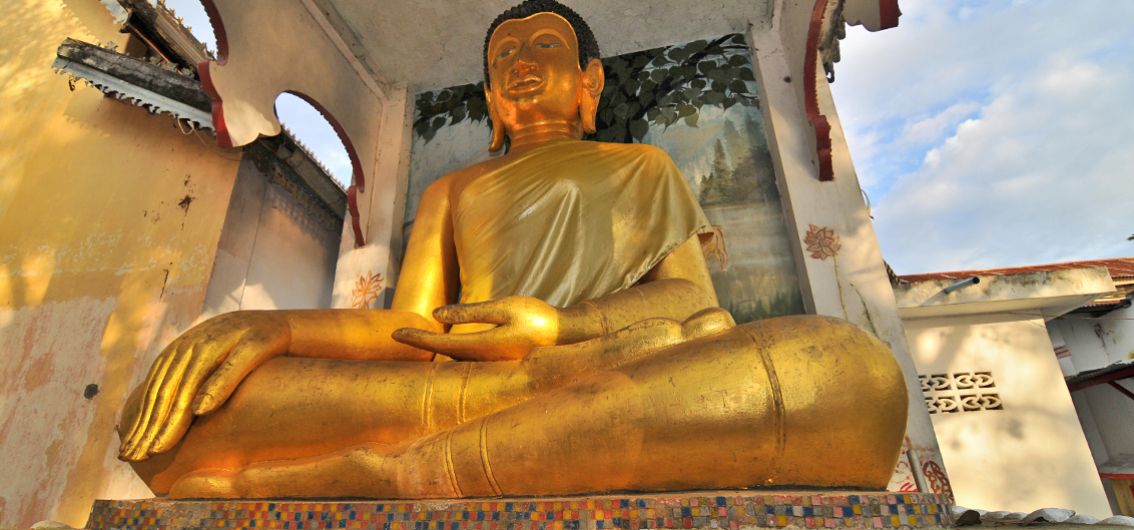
<point>433,110</point>
<point>663,86</point>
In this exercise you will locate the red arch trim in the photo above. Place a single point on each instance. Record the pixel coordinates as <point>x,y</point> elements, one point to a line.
<point>888,14</point>
<point>223,138</point>
<point>811,98</point>
<point>358,179</point>
<point>218,30</point>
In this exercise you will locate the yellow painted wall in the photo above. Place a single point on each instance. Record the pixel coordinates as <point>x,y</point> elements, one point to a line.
<point>109,222</point>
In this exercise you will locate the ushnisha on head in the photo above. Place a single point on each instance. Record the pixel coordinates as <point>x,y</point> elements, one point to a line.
<point>543,76</point>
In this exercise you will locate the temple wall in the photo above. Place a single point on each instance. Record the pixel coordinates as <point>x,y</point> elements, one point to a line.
<point>1028,453</point>
<point>1094,343</point>
<point>1104,411</point>
<point>837,256</point>
<point>109,219</point>
<point>274,251</point>
<point>1097,343</point>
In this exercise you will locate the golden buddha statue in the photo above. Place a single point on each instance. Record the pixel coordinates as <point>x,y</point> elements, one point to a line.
<point>591,354</point>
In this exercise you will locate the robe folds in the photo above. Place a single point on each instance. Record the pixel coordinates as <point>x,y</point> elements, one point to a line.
<point>571,221</point>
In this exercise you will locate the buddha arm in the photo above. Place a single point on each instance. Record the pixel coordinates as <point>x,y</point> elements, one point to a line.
<point>428,280</point>
<point>676,288</point>
<point>355,334</point>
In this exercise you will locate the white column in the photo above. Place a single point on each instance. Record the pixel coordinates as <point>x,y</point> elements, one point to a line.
<point>850,282</point>
<point>365,275</point>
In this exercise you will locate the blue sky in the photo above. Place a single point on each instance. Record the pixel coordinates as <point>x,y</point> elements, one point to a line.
<point>991,134</point>
<point>986,134</point>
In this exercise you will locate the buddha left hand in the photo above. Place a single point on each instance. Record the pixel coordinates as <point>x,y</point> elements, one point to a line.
<point>521,324</point>
<point>197,372</point>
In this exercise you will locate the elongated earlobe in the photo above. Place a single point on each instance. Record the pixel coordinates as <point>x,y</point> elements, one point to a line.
<point>594,80</point>
<point>497,141</point>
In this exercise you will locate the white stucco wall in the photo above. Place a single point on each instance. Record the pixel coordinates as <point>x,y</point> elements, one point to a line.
<point>1106,415</point>
<point>1031,454</point>
<point>1096,342</point>
<point>276,251</point>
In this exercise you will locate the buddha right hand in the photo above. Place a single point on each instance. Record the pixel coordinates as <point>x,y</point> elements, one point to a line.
<point>198,372</point>
<point>515,325</point>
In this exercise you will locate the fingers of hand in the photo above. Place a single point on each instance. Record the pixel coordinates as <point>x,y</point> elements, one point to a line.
<point>249,353</point>
<point>492,312</point>
<point>165,394</point>
<point>142,419</point>
<point>207,357</point>
<point>459,346</point>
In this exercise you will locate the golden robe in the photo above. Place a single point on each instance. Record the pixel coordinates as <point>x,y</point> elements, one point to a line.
<point>571,221</point>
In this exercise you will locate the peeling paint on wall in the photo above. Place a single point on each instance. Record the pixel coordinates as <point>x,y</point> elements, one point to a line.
<point>108,249</point>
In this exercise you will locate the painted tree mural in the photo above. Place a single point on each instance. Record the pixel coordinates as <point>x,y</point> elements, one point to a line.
<point>740,182</point>
<point>664,85</point>
<point>660,86</point>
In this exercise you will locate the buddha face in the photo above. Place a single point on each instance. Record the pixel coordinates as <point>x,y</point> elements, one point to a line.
<point>535,82</point>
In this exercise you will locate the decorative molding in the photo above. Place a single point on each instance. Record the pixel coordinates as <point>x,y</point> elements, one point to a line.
<point>947,393</point>
<point>160,88</point>
<point>937,479</point>
<point>674,510</point>
<point>888,14</point>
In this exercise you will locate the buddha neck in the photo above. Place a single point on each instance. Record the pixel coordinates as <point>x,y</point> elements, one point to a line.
<point>529,137</point>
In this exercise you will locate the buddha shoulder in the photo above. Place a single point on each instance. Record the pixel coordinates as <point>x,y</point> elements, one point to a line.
<point>451,184</point>
<point>649,157</point>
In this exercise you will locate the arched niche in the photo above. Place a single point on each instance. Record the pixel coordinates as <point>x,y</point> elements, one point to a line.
<point>252,69</point>
<point>323,136</point>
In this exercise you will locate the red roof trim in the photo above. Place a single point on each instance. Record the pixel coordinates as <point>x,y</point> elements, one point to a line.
<point>1118,267</point>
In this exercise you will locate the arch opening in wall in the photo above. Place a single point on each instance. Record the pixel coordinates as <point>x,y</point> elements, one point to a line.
<point>324,139</point>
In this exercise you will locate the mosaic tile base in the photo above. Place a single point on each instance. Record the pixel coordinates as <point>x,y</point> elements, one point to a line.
<point>727,510</point>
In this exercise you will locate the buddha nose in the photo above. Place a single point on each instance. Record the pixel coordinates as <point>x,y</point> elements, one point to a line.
<point>524,67</point>
<point>524,64</point>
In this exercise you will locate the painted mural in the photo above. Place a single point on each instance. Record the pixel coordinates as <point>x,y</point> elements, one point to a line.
<point>698,101</point>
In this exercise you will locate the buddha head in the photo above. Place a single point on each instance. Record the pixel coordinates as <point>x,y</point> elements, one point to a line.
<point>542,73</point>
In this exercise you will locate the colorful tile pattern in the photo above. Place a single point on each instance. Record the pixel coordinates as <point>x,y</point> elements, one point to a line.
<point>731,510</point>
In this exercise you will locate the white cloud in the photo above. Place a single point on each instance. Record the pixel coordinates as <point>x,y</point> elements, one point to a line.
<point>1041,175</point>
<point>997,140</point>
<point>932,128</point>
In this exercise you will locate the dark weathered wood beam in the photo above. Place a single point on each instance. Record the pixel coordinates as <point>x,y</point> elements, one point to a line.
<point>136,72</point>
<point>163,33</point>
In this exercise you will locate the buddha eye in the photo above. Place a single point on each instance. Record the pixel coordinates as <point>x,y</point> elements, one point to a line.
<point>551,44</point>
<point>504,53</point>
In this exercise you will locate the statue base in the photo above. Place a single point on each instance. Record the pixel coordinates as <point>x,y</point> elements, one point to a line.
<point>730,510</point>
